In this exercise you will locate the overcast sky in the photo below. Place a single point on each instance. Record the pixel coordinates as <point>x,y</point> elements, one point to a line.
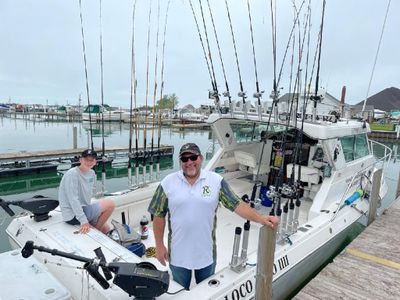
<point>41,58</point>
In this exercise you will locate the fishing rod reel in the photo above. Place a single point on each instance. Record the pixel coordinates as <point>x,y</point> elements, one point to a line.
<point>38,205</point>
<point>142,281</point>
<point>213,94</point>
<point>288,190</point>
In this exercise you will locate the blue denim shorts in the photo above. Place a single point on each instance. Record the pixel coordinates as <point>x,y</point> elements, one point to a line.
<point>92,213</point>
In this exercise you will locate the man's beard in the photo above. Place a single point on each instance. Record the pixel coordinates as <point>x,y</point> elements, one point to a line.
<point>191,173</point>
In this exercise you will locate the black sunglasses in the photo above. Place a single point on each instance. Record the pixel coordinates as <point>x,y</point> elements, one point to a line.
<point>193,157</point>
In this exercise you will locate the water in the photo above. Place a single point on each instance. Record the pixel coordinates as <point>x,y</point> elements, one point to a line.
<point>22,135</point>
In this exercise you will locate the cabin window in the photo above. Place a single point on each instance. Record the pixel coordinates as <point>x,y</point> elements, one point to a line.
<point>354,147</point>
<point>348,147</point>
<point>248,131</point>
<point>361,146</point>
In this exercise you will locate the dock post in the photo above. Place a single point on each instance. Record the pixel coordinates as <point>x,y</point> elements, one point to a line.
<point>374,197</point>
<point>265,263</point>
<point>75,137</point>
<point>398,188</point>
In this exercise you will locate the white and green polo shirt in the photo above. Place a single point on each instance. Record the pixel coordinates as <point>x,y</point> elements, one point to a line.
<point>192,218</point>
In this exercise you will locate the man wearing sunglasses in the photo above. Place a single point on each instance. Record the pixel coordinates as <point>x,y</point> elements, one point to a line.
<point>191,197</point>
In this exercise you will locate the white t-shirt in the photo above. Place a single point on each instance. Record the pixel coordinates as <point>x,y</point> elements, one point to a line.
<point>192,216</point>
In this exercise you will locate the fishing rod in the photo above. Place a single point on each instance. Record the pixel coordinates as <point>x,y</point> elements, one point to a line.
<point>317,98</point>
<point>258,93</point>
<point>242,93</point>
<point>147,95</point>
<point>161,93</point>
<point>275,93</point>
<point>201,42</point>
<point>214,95</point>
<point>86,75</point>
<point>291,37</point>
<point>154,94</point>
<point>133,99</point>
<point>103,157</point>
<point>299,142</point>
<point>227,92</point>
<point>291,189</point>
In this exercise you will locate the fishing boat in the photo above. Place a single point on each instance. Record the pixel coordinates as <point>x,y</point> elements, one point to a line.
<point>99,113</point>
<point>319,173</point>
<point>335,173</point>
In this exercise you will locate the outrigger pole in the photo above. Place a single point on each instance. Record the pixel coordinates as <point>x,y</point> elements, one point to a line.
<point>161,96</point>
<point>86,75</point>
<point>154,94</point>
<point>133,92</point>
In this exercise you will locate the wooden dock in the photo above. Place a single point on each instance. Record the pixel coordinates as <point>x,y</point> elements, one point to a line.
<point>369,268</point>
<point>30,155</point>
<point>381,134</point>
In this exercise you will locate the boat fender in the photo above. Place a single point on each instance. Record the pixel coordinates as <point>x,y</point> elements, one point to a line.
<point>357,194</point>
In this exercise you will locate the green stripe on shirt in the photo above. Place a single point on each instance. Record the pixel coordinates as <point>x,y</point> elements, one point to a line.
<point>227,196</point>
<point>159,203</point>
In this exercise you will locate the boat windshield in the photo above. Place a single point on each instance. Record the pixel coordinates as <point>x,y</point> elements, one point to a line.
<point>248,131</point>
<point>354,147</point>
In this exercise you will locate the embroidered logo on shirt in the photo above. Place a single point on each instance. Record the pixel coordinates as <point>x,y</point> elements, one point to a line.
<point>206,191</point>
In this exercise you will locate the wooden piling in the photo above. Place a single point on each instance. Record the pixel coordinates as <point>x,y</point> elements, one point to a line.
<point>398,187</point>
<point>75,137</point>
<point>265,263</point>
<point>374,197</point>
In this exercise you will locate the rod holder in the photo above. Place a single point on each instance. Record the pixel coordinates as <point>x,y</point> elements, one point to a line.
<point>245,242</point>
<point>295,223</point>
<point>236,242</point>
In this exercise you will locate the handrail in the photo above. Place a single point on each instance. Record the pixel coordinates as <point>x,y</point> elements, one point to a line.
<point>343,195</point>
<point>385,159</point>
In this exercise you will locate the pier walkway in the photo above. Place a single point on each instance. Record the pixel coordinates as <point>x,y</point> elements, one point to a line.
<point>66,153</point>
<point>369,268</point>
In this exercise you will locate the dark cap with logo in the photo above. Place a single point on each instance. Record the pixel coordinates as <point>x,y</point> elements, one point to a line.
<point>189,148</point>
<point>89,152</point>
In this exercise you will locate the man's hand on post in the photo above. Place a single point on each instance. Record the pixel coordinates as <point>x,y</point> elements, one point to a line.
<point>270,221</point>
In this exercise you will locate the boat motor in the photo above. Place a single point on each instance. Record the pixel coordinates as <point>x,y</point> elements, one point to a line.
<point>39,205</point>
<point>142,281</point>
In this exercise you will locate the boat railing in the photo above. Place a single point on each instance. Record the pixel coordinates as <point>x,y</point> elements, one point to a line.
<point>385,158</point>
<point>380,162</point>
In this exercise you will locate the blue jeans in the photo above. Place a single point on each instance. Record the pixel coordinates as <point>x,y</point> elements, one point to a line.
<point>183,276</point>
